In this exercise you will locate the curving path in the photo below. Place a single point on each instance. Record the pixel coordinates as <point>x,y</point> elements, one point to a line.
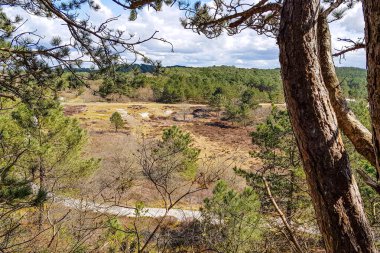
<point>85,205</point>
<point>179,214</point>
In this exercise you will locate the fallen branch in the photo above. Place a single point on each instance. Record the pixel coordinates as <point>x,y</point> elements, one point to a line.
<point>289,230</point>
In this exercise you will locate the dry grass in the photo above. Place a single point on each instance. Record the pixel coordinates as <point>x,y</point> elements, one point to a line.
<point>221,147</point>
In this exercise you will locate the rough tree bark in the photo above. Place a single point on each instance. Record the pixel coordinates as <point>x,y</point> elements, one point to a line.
<point>371,9</point>
<point>333,189</point>
<point>358,134</point>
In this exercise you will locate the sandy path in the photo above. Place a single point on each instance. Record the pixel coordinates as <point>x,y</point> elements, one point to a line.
<point>179,214</point>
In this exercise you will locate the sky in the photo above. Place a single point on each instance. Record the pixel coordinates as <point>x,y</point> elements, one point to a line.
<point>245,50</point>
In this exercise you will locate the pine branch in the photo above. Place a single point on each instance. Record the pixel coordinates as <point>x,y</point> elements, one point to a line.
<point>355,45</point>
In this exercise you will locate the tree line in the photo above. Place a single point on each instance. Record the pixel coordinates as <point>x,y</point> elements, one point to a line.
<point>180,84</point>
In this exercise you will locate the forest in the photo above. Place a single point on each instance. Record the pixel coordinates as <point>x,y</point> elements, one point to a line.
<point>104,149</point>
<point>198,85</point>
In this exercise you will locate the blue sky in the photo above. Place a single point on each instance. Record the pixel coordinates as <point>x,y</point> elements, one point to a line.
<point>246,49</point>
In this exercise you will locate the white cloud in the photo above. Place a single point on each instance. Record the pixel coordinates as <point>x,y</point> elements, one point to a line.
<point>246,49</point>
<point>350,27</point>
<point>104,10</point>
<point>192,49</point>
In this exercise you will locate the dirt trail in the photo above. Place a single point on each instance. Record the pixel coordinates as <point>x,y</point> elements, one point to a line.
<point>179,214</point>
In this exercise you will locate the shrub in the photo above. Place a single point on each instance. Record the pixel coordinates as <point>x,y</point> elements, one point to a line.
<point>117,121</point>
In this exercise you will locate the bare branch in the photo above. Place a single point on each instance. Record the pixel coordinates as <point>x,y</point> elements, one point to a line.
<point>354,45</point>
<point>332,7</point>
<point>289,230</point>
<point>369,181</point>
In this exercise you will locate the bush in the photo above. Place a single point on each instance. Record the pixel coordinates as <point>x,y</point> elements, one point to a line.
<point>117,121</point>
<point>231,219</point>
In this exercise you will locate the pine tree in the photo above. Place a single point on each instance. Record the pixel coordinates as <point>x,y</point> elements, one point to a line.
<point>117,121</point>
<point>231,220</point>
<point>42,150</point>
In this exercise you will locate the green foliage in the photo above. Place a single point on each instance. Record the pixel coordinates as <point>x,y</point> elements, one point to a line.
<point>177,143</point>
<point>218,99</point>
<point>15,192</point>
<point>172,93</point>
<point>117,121</point>
<point>281,166</point>
<point>6,24</point>
<point>138,81</point>
<point>169,161</point>
<point>248,98</point>
<point>178,84</point>
<point>371,198</point>
<point>74,82</point>
<point>353,82</point>
<point>139,209</point>
<point>204,84</point>
<point>230,219</point>
<point>40,198</point>
<point>115,83</point>
<point>232,110</point>
<point>28,76</point>
<point>41,150</point>
<point>240,110</point>
<point>80,249</point>
<point>215,85</point>
<point>116,237</point>
<point>56,137</point>
<point>36,138</point>
<point>361,110</point>
<point>13,186</point>
<point>274,135</point>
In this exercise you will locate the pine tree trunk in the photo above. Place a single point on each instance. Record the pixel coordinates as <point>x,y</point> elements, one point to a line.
<point>333,189</point>
<point>371,9</point>
<point>358,134</point>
